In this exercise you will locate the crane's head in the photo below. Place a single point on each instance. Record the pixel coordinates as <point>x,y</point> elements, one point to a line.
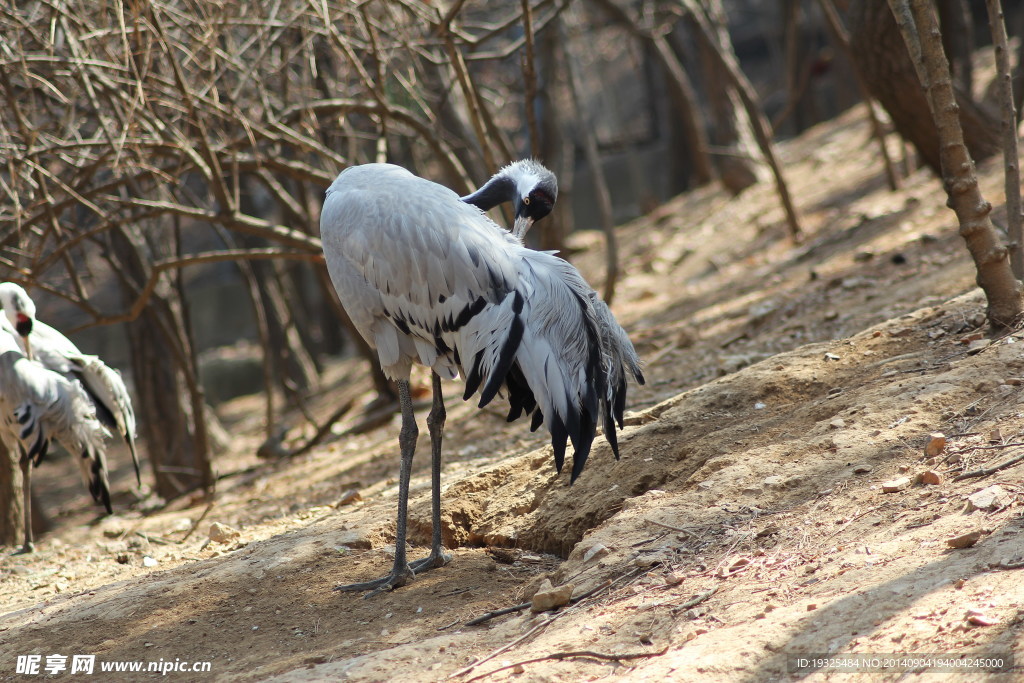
<point>530,187</point>
<point>19,309</point>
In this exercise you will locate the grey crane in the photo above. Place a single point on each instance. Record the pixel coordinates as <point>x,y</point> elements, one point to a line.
<point>427,278</point>
<point>38,405</point>
<point>103,384</point>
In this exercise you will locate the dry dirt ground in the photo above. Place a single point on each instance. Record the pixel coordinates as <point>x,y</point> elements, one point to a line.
<point>747,523</point>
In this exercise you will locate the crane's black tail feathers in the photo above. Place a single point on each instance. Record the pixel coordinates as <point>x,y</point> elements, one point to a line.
<point>597,354</point>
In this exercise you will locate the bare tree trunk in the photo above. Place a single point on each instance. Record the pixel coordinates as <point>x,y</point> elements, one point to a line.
<point>737,161</point>
<point>1011,155</point>
<point>681,90</point>
<point>917,22</point>
<point>557,148</point>
<point>602,195</point>
<point>842,39</point>
<point>881,56</point>
<point>762,130</point>
<point>12,513</point>
<point>958,41</point>
<point>167,421</point>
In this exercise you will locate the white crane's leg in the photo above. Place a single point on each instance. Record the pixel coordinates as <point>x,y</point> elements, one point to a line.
<point>435,423</point>
<point>400,574</point>
<point>26,492</point>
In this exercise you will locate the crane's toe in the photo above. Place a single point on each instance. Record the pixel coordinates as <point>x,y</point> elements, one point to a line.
<point>25,549</point>
<point>396,579</point>
<point>432,561</point>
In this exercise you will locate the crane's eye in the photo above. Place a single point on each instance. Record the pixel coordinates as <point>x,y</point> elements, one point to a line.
<point>526,200</point>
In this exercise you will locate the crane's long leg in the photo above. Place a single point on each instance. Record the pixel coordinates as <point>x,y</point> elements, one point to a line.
<point>400,574</point>
<point>26,492</point>
<point>435,423</point>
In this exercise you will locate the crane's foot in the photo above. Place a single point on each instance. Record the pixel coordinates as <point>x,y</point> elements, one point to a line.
<point>396,579</point>
<point>432,561</point>
<point>25,549</point>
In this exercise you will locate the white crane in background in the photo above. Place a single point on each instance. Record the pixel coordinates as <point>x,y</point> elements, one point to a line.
<point>37,406</point>
<point>103,384</point>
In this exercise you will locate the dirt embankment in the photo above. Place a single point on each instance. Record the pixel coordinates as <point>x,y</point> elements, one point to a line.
<point>757,511</point>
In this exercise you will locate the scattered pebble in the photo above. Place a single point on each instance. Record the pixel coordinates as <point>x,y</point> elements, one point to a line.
<point>964,540</point>
<point>837,423</point>
<point>990,498</point>
<point>862,469</point>
<point>977,345</point>
<point>936,444</point>
<point>349,497</point>
<point>549,597</point>
<point>976,617</point>
<point>832,356</point>
<point>930,477</point>
<point>148,561</point>
<point>894,485</point>
<point>597,550</point>
<point>222,533</point>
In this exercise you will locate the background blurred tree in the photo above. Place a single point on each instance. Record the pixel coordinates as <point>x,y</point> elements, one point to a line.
<point>883,60</point>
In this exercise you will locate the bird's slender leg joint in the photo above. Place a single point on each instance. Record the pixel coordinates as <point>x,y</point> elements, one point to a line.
<point>435,423</point>
<point>400,574</point>
<point>26,492</point>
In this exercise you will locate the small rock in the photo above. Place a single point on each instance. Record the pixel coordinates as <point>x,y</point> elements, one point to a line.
<point>831,356</point>
<point>222,533</point>
<point>977,345</point>
<point>978,618</point>
<point>964,540</point>
<point>774,480</point>
<point>930,477</point>
<point>864,256</point>
<point>549,597</point>
<point>936,444</point>
<point>349,497</point>
<point>990,498</point>
<point>837,423</point>
<point>862,469</point>
<point>148,561</point>
<point>894,485</point>
<point>597,550</point>
<point>811,606</point>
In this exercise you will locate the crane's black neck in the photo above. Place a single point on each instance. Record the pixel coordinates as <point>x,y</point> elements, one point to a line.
<point>497,190</point>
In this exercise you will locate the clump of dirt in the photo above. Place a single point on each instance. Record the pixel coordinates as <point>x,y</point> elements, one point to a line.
<point>774,497</point>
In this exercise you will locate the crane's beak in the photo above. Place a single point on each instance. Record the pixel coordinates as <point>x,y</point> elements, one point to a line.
<point>23,326</point>
<point>521,226</point>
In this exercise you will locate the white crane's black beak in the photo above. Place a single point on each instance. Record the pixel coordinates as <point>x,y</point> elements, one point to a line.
<point>23,327</point>
<point>521,226</point>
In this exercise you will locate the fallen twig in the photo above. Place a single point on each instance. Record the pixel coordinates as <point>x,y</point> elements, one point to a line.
<point>695,600</point>
<point>985,471</point>
<point>523,605</point>
<point>669,526</point>
<point>209,506</point>
<point>569,655</point>
<point>1019,564</point>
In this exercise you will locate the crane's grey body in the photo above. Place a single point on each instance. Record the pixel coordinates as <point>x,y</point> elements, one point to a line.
<point>37,406</point>
<point>427,278</point>
<point>103,384</point>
